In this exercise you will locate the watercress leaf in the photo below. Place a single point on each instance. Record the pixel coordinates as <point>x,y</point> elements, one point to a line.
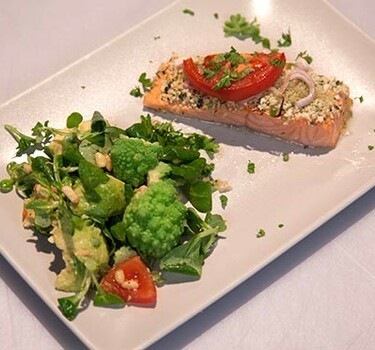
<point>44,166</point>
<point>200,196</point>
<point>98,123</point>
<point>66,219</point>
<point>185,259</point>
<point>114,132</point>
<point>42,219</point>
<point>183,154</point>
<point>103,298</point>
<point>74,120</point>
<point>118,231</point>
<point>69,307</point>
<point>70,152</point>
<point>190,171</point>
<point>142,130</point>
<point>88,149</point>
<point>216,221</point>
<point>90,175</point>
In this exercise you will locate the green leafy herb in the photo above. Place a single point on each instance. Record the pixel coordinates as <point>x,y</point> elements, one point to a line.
<point>239,27</point>
<point>280,225</point>
<point>200,196</point>
<point>74,120</point>
<point>6,185</point>
<point>370,147</point>
<point>103,298</point>
<point>224,201</point>
<point>285,157</point>
<point>250,167</point>
<point>146,84</point>
<point>286,40</point>
<point>136,92</point>
<point>188,12</point>
<point>188,258</point>
<point>261,233</point>
<point>277,62</point>
<point>305,56</point>
<point>229,77</point>
<point>41,135</point>
<point>360,99</point>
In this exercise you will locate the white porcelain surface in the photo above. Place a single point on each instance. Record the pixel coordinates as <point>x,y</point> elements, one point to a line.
<point>318,295</point>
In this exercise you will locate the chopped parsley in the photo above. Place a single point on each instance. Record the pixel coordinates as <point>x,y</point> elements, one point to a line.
<point>239,27</point>
<point>370,147</point>
<point>305,56</point>
<point>224,201</point>
<point>216,15</point>
<point>146,85</point>
<point>189,12</point>
<point>360,99</point>
<point>261,233</point>
<point>286,40</point>
<point>276,62</point>
<point>230,76</point>
<point>285,157</point>
<point>280,225</point>
<point>136,92</point>
<point>250,167</point>
<point>157,37</point>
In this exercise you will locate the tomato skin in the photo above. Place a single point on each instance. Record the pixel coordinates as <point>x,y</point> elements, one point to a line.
<point>263,76</point>
<point>133,269</point>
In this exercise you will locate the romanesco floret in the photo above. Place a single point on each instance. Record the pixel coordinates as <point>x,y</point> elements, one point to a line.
<point>155,219</point>
<point>132,158</point>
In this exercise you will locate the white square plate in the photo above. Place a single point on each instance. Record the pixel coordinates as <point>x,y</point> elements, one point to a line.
<point>301,194</point>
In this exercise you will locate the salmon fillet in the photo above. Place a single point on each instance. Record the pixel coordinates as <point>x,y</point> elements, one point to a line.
<point>319,124</point>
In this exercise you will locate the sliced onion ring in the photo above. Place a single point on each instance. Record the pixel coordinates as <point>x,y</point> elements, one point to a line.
<point>300,74</point>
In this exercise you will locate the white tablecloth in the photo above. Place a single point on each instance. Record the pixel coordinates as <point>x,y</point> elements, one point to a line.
<point>319,295</point>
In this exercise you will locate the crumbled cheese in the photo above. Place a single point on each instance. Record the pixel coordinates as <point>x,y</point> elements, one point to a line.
<point>327,101</point>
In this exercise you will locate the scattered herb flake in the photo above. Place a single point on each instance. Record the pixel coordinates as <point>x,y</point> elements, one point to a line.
<point>189,12</point>
<point>261,233</point>
<point>286,40</point>
<point>305,56</point>
<point>146,85</point>
<point>276,62</point>
<point>146,82</point>
<point>250,167</point>
<point>285,157</point>
<point>136,92</point>
<point>239,27</point>
<point>370,147</point>
<point>360,99</point>
<point>157,37</point>
<point>280,225</point>
<point>216,15</point>
<point>224,201</point>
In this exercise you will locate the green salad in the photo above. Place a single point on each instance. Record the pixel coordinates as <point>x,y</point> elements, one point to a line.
<point>124,206</point>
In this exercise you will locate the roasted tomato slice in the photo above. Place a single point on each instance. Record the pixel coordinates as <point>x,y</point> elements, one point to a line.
<point>261,72</point>
<point>131,281</point>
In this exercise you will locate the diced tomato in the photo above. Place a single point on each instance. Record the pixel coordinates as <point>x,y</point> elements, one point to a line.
<point>265,71</point>
<point>131,281</point>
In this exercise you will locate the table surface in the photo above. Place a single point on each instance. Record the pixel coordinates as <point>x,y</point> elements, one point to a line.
<point>279,307</point>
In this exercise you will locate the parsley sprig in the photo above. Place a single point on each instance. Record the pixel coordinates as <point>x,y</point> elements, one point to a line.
<point>230,74</point>
<point>146,84</point>
<point>239,27</point>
